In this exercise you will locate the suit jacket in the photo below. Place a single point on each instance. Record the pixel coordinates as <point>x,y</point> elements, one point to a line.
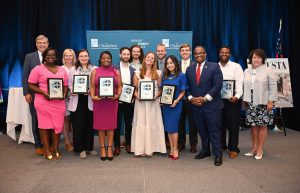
<point>31,61</point>
<point>131,69</point>
<point>211,81</point>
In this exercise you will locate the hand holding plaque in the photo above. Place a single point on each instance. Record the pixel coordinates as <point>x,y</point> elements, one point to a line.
<point>106,86</point>
<point>55,88</point>
<point>167,96</point>
<point>228,89</point>
<point>146,90</point>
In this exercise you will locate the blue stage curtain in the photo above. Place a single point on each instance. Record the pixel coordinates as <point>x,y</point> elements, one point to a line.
<point>241,24</point>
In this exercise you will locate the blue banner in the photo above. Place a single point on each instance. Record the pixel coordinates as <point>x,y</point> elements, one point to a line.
<point>99,41</point>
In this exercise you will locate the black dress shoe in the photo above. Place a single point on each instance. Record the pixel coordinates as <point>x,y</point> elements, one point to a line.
<point>202,155</point>
<point>218,161</point>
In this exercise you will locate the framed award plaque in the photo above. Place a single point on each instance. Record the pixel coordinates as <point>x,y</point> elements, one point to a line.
<point>55,88</point>
<point>127,93</point>
<point>80,84</point>
<point>146,90</point>
<point>228,89</point>
<point>106,87</point>
<point>167,95</point>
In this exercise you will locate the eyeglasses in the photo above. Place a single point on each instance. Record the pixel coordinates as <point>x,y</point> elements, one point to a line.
<point>225,53</point>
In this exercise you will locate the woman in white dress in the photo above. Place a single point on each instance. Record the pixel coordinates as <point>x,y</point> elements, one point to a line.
<point>147,126</point>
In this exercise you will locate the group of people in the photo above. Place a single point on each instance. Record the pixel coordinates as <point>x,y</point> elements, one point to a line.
<point>149,126</point>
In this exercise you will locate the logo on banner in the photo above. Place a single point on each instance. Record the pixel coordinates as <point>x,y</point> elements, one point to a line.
<point>140,42</point>
<point>171,46</point>
<point>166,42</point>
<point>94,43</point>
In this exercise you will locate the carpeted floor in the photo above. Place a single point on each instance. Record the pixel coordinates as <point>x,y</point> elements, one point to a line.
<point>279,171</point>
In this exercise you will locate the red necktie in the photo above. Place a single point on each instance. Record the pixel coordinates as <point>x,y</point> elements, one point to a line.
<point>198,72</point>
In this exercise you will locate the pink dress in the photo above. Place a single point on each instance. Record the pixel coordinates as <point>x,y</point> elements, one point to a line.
<point>50,113</point>
<point>105,111</point>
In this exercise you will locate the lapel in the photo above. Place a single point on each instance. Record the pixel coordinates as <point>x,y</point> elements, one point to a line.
<point>37,58</point>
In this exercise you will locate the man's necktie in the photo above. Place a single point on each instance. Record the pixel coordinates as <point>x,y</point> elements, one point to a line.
<point>198,72</point>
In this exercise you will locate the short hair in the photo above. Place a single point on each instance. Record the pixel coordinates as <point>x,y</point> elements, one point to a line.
<point>40,37</point>
<point>259,52</point>
<point>185,45</point>
<point>161,44</point>
<point>46,52</point>
<point>124,48</point>
<point>101,54</point>
<point>227,47</point>
<point>73,54</point>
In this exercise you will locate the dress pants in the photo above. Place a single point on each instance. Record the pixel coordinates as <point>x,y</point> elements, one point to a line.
<point>125,110</point>
<point>82,124</point>
<point>193,135</point>
<point>231,121</point>
<point>35,129</point>
<point>209,128</point>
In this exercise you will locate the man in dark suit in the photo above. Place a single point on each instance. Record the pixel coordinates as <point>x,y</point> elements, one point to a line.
<point>124,109</point>
<point>205,83</point>
<point>31,60</point>
<point>185,54</point>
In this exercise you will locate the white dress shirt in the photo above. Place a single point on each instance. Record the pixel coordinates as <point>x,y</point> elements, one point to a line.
<point>234,71</point>
<point>184,65</point>
<point>125,73</point>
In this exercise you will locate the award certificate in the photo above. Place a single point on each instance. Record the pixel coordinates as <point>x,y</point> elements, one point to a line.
<point>228,89</point>
<point>146,90</point>
<point>167,95</point>
<point>80,84</point>
<point>106,87</point>
<point>55,88</point>
<point>127,93</point>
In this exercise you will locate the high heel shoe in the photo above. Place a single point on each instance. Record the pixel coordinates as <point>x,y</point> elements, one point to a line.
<point>103,158</point>
<point>175,157</point>
<point>49,157</point>
<point>110,158</point>
<point>257,157</point>
<point>57,155</point>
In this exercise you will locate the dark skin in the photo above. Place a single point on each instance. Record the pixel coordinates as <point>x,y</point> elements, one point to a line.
<point>200,57</point>
<point>224,55</point>
<point>49,63</point>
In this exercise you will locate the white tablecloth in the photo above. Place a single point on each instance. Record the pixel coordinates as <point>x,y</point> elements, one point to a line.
<point>18,113</point>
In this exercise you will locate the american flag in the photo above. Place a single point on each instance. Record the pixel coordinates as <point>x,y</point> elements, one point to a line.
<point>279,44</point>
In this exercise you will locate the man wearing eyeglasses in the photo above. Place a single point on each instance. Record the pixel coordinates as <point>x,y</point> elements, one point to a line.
<point>205,81</point>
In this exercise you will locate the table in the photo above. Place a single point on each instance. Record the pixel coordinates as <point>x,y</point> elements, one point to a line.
<point>18,113</point>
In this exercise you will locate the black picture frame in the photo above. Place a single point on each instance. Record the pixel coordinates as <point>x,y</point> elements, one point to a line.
<point>167,94</point>
<point>55,88</point>
<point>228,89</point>
<point>127,93</point>
<point>106,86</point>
<point>147,90</point>
<point>80,84</point>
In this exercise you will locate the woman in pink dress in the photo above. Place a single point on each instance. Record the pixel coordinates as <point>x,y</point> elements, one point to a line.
<point>50,112</point>
<point>105,109</point>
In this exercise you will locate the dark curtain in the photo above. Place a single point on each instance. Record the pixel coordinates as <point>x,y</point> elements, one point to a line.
<point>241,24</point>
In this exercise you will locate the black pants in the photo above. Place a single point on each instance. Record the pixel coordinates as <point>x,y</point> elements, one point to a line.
<point>193,136</point>
<point>231,121</point>
<point>125,110</point>
<point>82,123</point>
<point>34,121</point>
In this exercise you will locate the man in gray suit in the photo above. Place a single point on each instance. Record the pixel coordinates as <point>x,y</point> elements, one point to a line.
<point>31,60</point>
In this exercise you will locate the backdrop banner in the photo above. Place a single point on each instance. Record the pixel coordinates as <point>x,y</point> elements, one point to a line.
<point>282,70</point>
<point>98,41</point>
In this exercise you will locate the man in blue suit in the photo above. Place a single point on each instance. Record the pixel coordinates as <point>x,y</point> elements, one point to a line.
<point>205,83</point>
<point>32,60</point>
<point>125,110</point>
